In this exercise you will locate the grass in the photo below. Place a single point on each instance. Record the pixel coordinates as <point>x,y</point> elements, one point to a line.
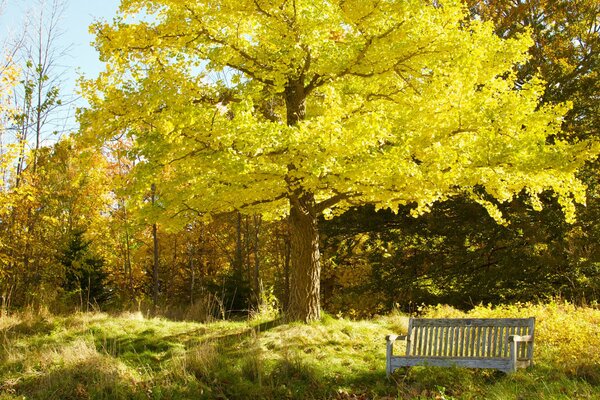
<point>97,356</point>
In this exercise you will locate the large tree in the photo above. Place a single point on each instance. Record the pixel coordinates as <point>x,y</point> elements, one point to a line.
<point>298,108</point>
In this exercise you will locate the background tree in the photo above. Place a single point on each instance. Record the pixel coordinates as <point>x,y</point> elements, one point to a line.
<point>566,50</point>
<point>451,253</point>
<point>37,112</point>
<point>330,104</point>
<point>9,75</point>
<point>43,109</point>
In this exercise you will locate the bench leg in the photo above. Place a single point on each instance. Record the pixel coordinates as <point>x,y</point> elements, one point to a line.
<point>388,358</point>
<point>513,357</point>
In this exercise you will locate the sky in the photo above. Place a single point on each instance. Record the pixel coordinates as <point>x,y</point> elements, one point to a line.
<point>82,58</point>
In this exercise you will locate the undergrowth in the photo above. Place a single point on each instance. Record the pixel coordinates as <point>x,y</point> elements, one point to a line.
<point>97,356</point>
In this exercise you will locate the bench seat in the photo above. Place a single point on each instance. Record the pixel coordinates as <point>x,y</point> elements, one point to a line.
<point>504,344</point>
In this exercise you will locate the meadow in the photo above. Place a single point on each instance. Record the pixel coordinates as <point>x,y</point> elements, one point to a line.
<point>128,356</point>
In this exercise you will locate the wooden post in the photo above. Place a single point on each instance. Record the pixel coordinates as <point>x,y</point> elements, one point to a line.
<point>389,353</point>
<point>513,354</point>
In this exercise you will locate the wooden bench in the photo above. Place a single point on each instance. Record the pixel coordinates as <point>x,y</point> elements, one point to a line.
<point>499,343</point>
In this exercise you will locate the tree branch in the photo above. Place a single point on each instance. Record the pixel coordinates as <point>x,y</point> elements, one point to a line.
<point>330,202</point>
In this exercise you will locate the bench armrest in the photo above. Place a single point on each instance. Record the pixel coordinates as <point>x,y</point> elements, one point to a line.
<point>393,338</point>
<point>517,338</point>
<point>390,339</point>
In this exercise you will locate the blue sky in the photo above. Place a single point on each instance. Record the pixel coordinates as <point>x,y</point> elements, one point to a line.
<point>78,15</point>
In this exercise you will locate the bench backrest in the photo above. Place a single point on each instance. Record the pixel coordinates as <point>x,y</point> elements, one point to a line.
<point>467,337</point>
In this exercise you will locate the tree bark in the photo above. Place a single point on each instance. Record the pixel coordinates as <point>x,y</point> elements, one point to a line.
<point>304,303</point>
<point>295,102</point>
<point>287,256</point>
<point>256,246</point>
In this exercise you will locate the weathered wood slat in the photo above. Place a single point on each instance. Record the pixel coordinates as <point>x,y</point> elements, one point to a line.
<point>409,340</point>
<point>468,341</point>
<point>479,343</point>
<point>495,340</point>
<point>430,341</point>
<point>502,364</point>
<point>504,342</point>
<point>461,335</point>
<point>530,345</point>
<point>488,344</point>
<point>455,342</point>
<point>501,343</point>
<point>495,363</point>
<point>470,322</point>
<point>447,340</point>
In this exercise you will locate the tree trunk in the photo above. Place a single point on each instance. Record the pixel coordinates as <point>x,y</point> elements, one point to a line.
<point>128,266</point>
<point>192,280</point>
<point>155,259</point>
<point>304,302</point>
<point>287,256</point>
<point>238,261</point>
<point>256,246</point>
<point>154,269</point>
<point>295,102</point>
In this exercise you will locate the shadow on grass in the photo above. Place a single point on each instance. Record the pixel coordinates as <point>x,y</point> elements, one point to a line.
<point>205,363</point>
<point>90,379</point>
<point>149,347</point>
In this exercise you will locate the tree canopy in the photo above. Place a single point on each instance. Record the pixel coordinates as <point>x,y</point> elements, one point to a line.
<point>300,107</point>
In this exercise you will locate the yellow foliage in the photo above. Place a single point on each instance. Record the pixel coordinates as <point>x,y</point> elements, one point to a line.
<point>9,75</point>
<point>403,103</point>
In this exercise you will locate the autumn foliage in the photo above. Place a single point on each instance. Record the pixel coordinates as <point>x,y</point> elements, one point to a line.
<point>239,156</point>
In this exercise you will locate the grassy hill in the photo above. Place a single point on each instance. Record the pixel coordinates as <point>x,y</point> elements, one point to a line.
<point>97,356</point>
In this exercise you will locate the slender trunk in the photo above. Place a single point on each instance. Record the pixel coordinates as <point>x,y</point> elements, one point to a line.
<point>89,290</point>
<point>192,280</point>
<point>238,261</point>
<point>247,250</point>
<point>38,114</point>
<point>155,268</point>
<point>155,258</point>
<point>129,270</point>
<point>257,286</point>
<point>304,304</point>
<point>128,266</point>
<point>24,129</point>
<point>286,266</point>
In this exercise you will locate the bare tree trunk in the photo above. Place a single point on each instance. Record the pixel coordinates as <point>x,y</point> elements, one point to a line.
<point>304,304</point>
<point>192,280</point>
<point>128,266</point>
<point>155,258</point>
<point>238,260</point>
<point>256,245</point>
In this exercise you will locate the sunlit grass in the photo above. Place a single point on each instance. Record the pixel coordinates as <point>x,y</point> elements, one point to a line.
<point>97,356</point>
